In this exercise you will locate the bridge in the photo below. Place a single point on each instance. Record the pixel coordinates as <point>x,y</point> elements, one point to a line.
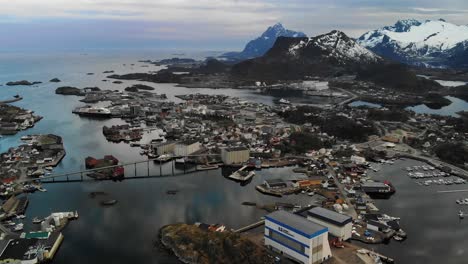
<point>80,176</point>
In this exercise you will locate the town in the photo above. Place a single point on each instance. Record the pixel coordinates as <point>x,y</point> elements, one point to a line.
<point>213,131</point>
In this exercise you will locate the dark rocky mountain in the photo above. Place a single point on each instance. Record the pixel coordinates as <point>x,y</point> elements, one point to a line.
<point>432,43</point>
<point>398,77</point>
<point>259,46</point>
<point>295,58</point>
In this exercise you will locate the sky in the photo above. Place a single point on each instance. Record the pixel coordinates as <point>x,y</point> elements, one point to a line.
<point>197,24</point>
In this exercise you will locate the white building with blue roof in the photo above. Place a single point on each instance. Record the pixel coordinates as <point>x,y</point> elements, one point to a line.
<point>296,237</point>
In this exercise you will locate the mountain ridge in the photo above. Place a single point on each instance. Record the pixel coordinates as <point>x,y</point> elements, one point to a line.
<point>292,58</point>
<point>432,43</point>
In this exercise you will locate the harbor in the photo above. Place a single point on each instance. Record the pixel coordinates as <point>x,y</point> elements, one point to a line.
<point>157,202</point>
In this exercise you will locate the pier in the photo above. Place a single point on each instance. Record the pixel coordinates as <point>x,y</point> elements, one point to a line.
<point>14,99</point>
<point>249,227</point>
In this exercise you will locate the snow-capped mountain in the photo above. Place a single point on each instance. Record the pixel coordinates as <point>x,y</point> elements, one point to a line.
<point>432,42</point>
<point>325,54</point>
<point>335,46</point>
<point>259,46</point>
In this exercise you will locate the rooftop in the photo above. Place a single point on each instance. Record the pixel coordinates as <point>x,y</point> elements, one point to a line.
<point>329,216</point>
<point>231,149</point>
<point>296,223</point>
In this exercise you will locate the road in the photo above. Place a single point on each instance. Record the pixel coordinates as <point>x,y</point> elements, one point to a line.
<point>351,211</point>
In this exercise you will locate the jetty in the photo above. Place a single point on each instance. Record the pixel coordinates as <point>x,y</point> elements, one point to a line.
<point>15,98</point>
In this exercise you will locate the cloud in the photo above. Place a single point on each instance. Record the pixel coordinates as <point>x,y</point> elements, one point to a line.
<point>206,22</point>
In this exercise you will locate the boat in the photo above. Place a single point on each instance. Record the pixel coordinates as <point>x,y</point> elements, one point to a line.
<point>172,192</point>
<point>91,111</point>
<point>37,220</point>
<point>164,158</point>
<point>109,202</point>
<point>21,216</point>
<point>401,234</point>
<point>284,101</point>
<point>26,138</point>
<point>378,188</point>
<point>207,167</point>
<point>10,223</point>
<point>18,227</point>
<point>461,214</point>
<point>41,189</point>
<point>180,161</point>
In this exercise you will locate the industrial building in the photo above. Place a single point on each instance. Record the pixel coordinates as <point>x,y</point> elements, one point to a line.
<point>186,148</point>
<point>236,155</point>
<point>164,148</point>
<point>296,237</point>
<point>339,225</point>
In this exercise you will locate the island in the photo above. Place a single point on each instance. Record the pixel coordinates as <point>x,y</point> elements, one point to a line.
<point>23,83</point>
<point>195,244</point>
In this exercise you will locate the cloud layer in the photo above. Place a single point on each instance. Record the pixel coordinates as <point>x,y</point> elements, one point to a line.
<point>204,23</point>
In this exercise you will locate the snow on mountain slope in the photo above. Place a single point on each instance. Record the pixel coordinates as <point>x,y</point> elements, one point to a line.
<point>414,42</point>
<point>335,45</point>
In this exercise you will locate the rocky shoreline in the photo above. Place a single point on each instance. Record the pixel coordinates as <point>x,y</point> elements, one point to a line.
<point>192,244</point>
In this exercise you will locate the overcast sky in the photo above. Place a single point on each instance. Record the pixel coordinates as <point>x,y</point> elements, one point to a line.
<point>198,24</point>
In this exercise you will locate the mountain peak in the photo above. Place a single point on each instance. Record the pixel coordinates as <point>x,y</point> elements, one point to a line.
<point>405,24</point>
<point>259,46</point>
<point>278,25</point>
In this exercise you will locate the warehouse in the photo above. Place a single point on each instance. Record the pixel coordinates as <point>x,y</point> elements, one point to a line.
<point>339,225</point>
<point>296,237</point>
<point>236,155</point>
<point>186,148</point>
<point>163,148</point>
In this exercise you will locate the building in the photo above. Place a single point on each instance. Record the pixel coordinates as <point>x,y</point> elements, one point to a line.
<point>236,155</point>
<point>358,160</point>
<point>186,148</point>
<point>163,148</point>
<point>296,237</point>
<point>339,225</point>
